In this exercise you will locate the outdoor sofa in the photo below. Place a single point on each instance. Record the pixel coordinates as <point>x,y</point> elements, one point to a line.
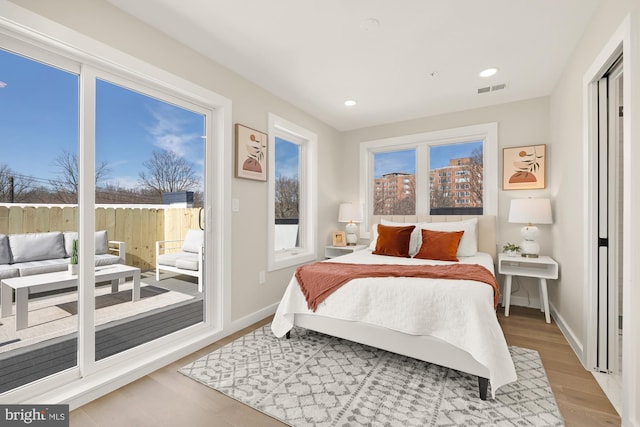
<point>37,253</point>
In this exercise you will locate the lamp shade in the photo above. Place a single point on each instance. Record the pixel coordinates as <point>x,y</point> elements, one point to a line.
<point>530,211</point>
<point>350,212</point>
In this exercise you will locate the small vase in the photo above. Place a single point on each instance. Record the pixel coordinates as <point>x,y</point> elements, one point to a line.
<point>511,253</point>
<point>73,269</point>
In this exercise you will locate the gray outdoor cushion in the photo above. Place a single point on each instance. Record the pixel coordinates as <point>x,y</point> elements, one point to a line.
<point>188,262</point>
<point>5,253</point>
<point>193,241</point>
<point>169,259</point>
<point>106,259</point>
<point>36,246</point>
<point>101,241</point>
<point>102,244</point>
<point>8,271</point>
<point>43,266</point>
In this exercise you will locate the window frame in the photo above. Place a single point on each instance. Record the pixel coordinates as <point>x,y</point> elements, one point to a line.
<point>308,198</point>
<point>487,133</point>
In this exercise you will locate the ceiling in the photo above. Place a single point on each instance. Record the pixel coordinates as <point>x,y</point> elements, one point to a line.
<point>421,59</point>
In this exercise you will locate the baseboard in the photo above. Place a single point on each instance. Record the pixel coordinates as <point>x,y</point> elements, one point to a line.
<point>571,337</point>
<point>250,319</point>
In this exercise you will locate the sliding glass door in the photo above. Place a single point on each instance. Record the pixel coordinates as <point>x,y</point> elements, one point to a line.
<point>149,175</point>
<point>104,192</point>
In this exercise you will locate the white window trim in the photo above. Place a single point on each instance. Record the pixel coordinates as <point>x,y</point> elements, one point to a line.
<point>487,132</point>
<point>308,209</point>
<point>55,44</point>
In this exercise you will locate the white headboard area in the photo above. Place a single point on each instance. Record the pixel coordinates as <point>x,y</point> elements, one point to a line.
<point>486,226</point>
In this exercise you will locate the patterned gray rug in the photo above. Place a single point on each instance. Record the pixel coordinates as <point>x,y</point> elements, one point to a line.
<point>317,380</point>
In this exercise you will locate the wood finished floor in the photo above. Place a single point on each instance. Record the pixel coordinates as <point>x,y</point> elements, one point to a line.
<point>167,398</point>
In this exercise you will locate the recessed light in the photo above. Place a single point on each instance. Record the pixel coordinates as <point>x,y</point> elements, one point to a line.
<point>350,102</point>
<point>488,72</point>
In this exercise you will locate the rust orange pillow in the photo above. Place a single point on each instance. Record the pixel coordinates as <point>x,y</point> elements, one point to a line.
<point>440,245</point>
<point>393,241</point>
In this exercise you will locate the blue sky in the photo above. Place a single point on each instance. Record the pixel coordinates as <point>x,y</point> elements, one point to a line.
<point>39,120</point>
<point>287,158</point>
<point>405,160</point>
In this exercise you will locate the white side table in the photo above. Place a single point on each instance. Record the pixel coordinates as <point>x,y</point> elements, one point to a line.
<point>542,268</point>
<point>335,251</point>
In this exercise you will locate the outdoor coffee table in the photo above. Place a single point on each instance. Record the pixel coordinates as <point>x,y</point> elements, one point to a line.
<point>59,280</point>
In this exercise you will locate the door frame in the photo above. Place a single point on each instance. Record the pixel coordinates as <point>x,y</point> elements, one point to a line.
<point>623,41</point>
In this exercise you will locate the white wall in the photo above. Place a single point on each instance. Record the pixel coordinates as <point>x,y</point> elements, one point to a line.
<point>567,136</point>
<point>519,123</point>
<point>100,20</point>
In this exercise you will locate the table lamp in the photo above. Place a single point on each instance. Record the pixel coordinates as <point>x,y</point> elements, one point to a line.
<point>351,213</point>
<point>530,212</point>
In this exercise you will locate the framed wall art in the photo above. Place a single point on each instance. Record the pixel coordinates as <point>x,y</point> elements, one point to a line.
<point>251,153</point>
<point>524,168</point>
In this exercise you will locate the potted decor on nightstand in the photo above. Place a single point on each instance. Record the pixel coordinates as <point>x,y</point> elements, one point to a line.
<point>511,249</point>
<point>73,260</point>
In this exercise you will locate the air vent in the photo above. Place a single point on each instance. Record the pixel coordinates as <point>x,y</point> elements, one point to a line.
<point>492,88</point>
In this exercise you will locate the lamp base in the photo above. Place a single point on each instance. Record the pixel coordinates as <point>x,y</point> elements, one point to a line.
<point>529,248</point>
<point>530,255</point>
<point>352,237</point>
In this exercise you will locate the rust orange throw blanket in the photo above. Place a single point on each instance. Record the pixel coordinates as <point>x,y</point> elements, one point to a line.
<point>321,279</point>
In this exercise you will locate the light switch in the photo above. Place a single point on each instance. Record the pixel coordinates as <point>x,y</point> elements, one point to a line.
<point>235,205</point>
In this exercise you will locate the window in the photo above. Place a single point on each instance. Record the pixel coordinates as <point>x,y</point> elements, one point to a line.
<point>435,164</point>
<point>464,161</point>
<point>397,171</point>
<point>287,195</point>
<point>292,194</point>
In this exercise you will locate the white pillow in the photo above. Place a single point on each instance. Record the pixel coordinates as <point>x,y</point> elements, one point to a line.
<point>468,243</point>
<point>416,234</point>
<point>374,237</point>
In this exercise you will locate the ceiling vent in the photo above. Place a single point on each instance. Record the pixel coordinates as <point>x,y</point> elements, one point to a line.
<point>492,88</point>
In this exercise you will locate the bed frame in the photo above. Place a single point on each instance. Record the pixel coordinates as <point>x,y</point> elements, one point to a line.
<point>425,348</point>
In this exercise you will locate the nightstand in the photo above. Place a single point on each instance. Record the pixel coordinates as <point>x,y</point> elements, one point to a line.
<point>335,251</point>
<point>542,268</point>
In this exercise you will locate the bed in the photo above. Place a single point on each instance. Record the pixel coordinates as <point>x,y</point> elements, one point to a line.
<point>451,323</point>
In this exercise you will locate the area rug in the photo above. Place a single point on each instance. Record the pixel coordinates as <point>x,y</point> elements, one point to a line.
<point>317,380</point>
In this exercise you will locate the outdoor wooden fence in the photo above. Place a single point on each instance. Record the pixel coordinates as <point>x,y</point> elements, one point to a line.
<point>139,227</point>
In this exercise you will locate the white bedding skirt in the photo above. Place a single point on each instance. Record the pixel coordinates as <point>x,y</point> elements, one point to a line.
<point>458,312</point>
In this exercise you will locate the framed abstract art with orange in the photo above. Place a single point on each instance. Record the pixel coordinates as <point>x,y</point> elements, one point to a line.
<point>524,168</point>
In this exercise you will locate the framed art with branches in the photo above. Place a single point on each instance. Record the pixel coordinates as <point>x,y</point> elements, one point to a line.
<point>251,153</point>
<point>524,168</point>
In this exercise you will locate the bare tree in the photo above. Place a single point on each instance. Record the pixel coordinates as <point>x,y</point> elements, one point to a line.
<point>13,188</point>
<point>475,178</point>
<point>440,194</point>
<point>66,186</point>
<point>167,172</point>
<point>287,197</point>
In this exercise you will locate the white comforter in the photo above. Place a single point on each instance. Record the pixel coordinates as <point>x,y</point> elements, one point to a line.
<point>459,312</point>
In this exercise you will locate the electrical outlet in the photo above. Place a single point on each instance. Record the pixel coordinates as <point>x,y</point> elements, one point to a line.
<point>262,277</point>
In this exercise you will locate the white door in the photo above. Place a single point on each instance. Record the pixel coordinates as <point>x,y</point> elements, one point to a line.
<point>610,226</point>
